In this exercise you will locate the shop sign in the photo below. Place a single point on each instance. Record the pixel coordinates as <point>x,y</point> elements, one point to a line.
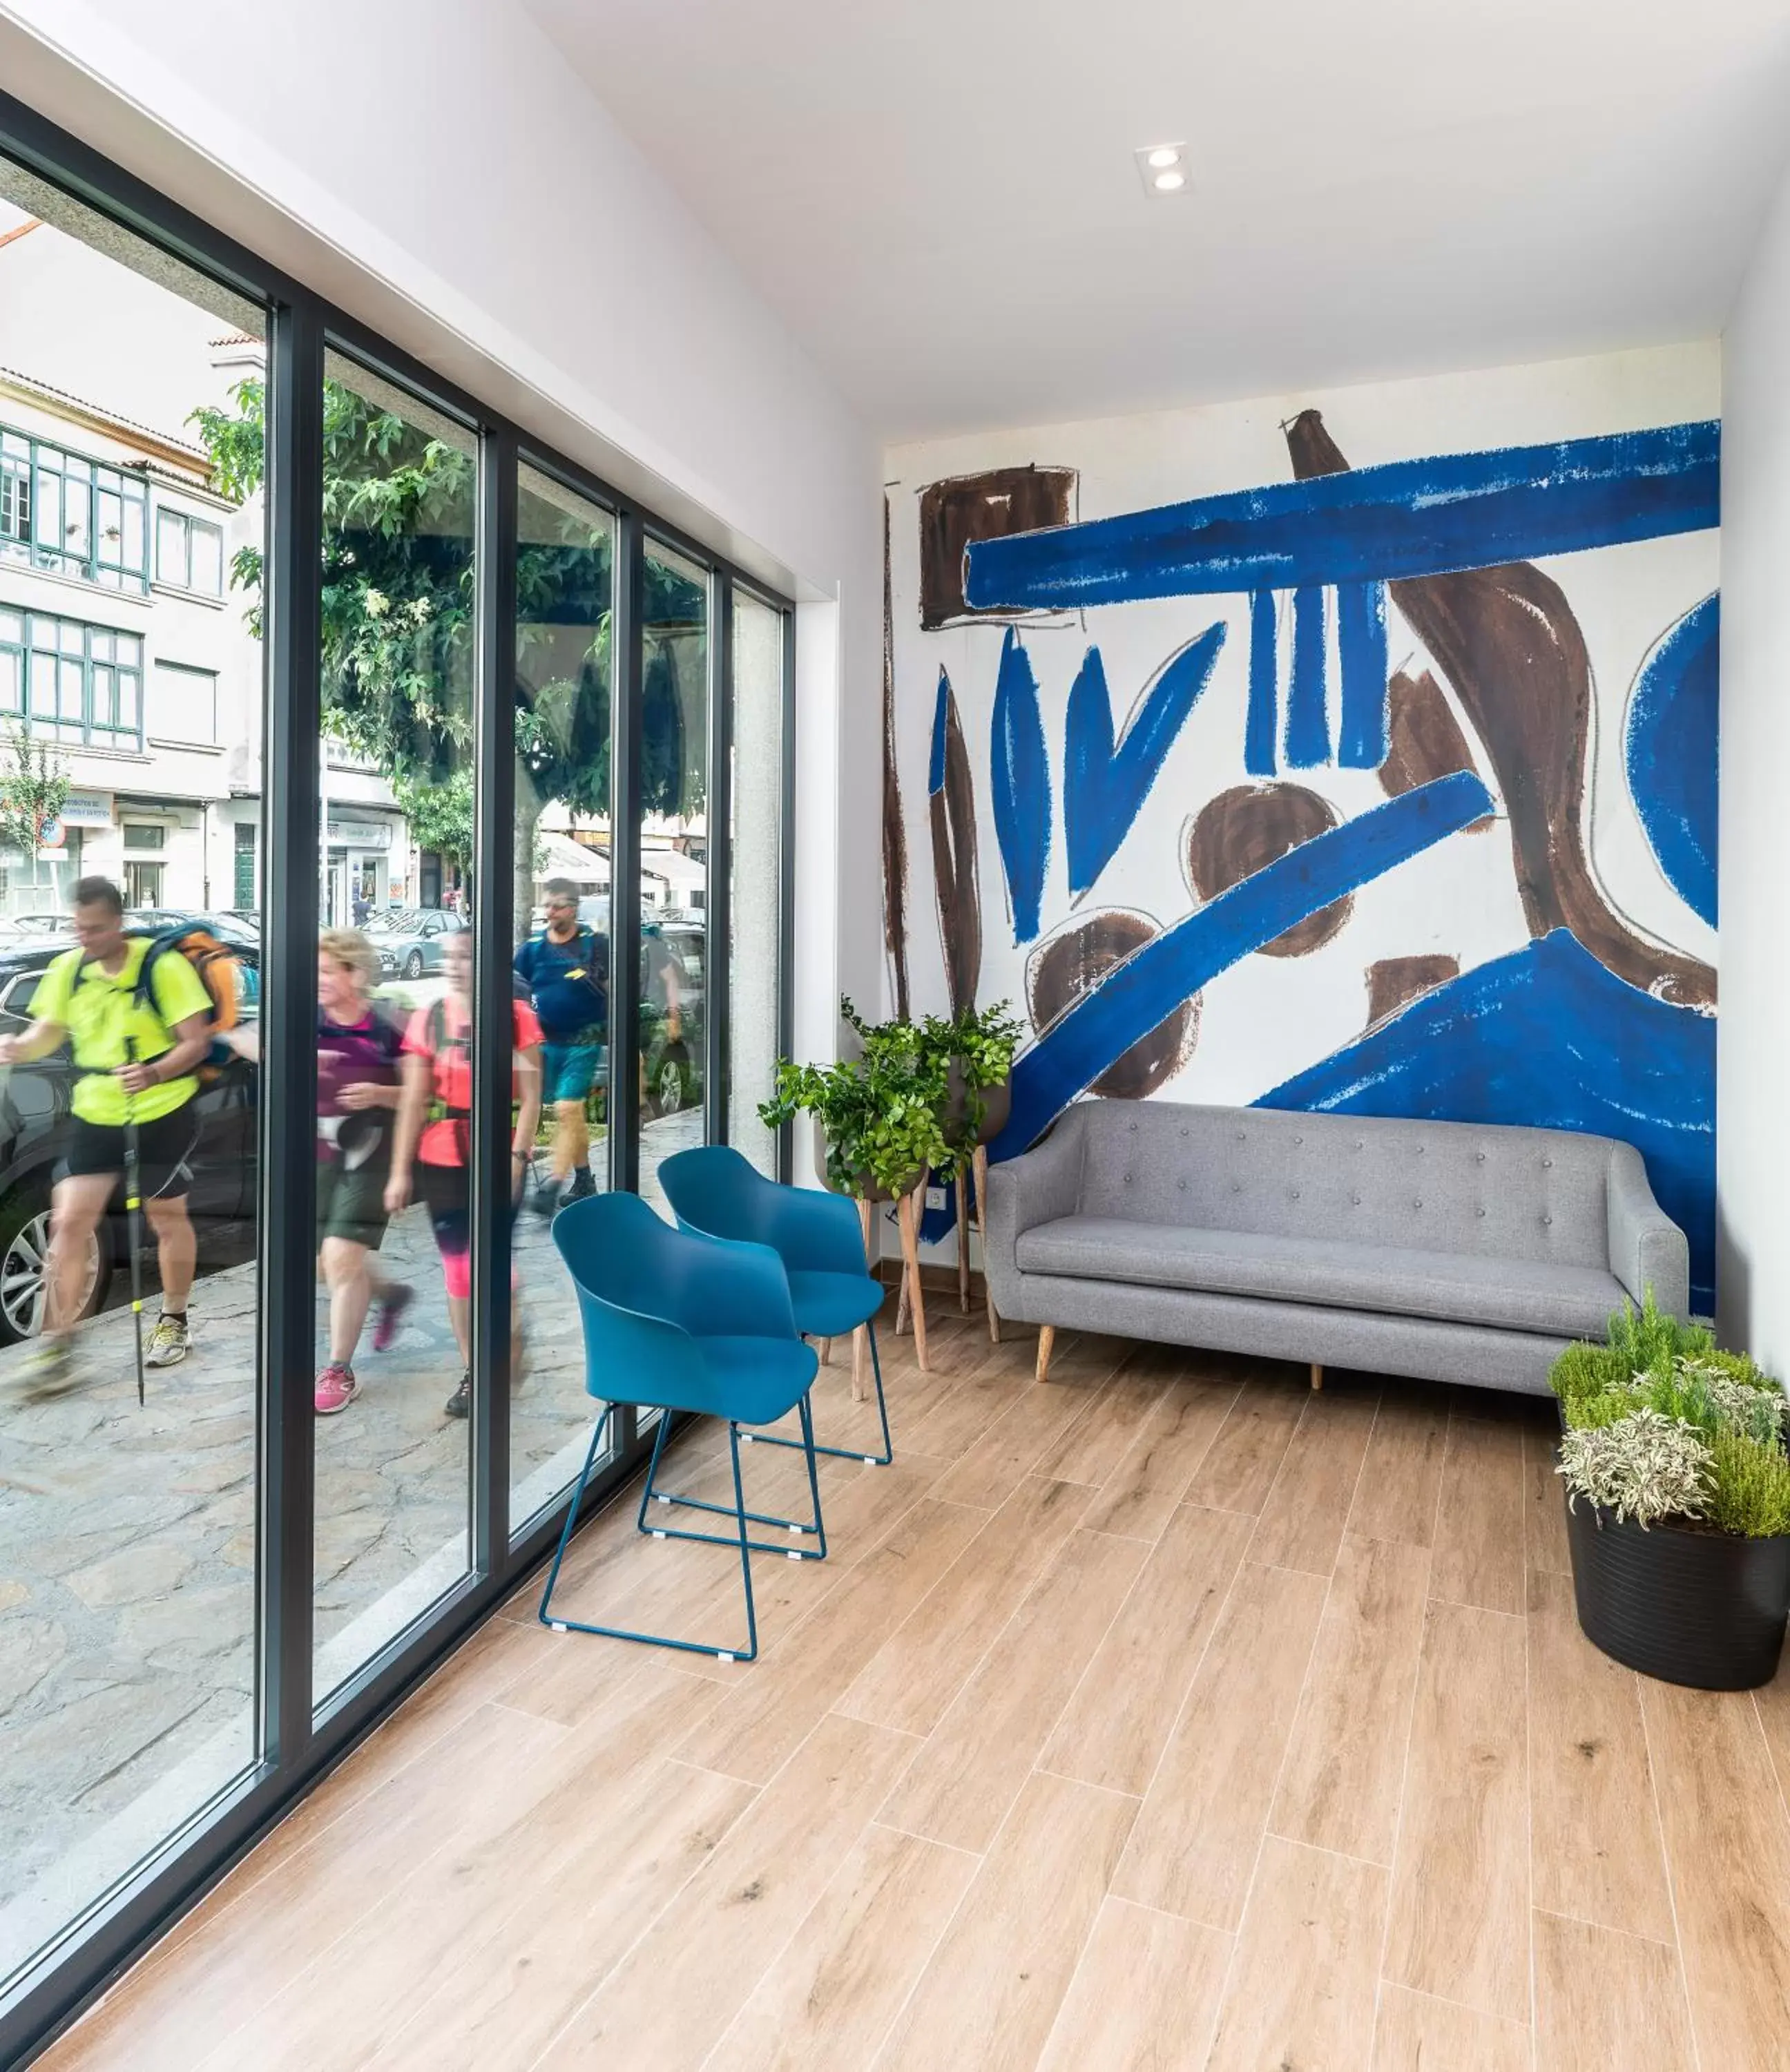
<point>362,834</point>
<point>87,809</point>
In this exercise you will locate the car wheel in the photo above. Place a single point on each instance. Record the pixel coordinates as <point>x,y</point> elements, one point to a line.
<point>413,964</point>
<point>671,1083</point>
<point>24,1254</point>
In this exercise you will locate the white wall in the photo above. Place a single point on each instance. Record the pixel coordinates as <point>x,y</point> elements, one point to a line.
<point>435,166</point>
<point>1753,1060</point>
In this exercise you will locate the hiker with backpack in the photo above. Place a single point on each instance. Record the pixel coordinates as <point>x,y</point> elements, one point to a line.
<point>566,970</point>
<point>433,1145</point>
<point>140,1019</point>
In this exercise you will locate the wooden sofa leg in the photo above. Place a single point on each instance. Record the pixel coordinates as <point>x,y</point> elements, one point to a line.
<point>1047,1337</point>
<point>1317,1375</point>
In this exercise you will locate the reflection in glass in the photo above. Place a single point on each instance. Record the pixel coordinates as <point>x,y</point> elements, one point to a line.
<point>393,1043</point>
<point>674,856</point>
<point>128,1546</point>
<point>756,905</point>
<point>564,560</point>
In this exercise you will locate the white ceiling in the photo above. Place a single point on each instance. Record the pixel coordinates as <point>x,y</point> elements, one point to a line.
<point>939,196</point>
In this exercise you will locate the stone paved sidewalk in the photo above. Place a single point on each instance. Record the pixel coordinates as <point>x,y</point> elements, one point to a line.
<point>127,1554</point>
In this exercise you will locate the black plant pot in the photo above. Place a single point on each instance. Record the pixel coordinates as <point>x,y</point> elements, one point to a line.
<point>1704,1609</point>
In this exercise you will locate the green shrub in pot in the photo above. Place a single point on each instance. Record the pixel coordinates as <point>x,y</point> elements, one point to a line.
<point>1678,1498</point>
<point>879,1114</point>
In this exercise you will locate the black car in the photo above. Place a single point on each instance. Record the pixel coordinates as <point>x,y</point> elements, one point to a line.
<point>34,1116</point>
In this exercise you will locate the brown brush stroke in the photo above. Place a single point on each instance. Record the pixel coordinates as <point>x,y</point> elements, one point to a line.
<point>953,865</point>
<point>894,832</point>
<point>1395,982</point>
<point>1060,971</point>
<point>1424,739</point>
<point>964,507</point>
<point>1510,646</point>
<point>1243,830</point>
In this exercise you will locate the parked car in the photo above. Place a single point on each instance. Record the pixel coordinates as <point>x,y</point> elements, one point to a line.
<point>34,1112</point>
<point>232,929</point>
<point>674,1063</point>
<point>409,941</point>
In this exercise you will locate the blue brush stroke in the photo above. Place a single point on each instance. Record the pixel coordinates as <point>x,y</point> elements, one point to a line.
<point>1260,723</point>
<point>1362,644</point>
<point>1105,785</point>
<point>1407,518</point>
<point>1152,982</point>
<point>1547,1038</point>
<point>1307,721</point>
<point>941,712</point>
<point>1020,770</point>
<point>1671,748</point>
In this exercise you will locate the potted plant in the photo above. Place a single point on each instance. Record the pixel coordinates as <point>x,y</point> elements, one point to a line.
<point>978,1046</point>
<point>877,1115</point>
<point>1677,1502</point>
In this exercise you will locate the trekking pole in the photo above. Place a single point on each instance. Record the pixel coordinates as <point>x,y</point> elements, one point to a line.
<point>134,1210</point>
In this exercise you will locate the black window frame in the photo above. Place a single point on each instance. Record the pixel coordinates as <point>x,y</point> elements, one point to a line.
<point>299,1742</point>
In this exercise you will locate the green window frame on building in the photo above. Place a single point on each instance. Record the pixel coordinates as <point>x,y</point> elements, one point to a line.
<point>69,681</point>
<point>244,886</point>
<point>73,516</point>
<point>189,552</point>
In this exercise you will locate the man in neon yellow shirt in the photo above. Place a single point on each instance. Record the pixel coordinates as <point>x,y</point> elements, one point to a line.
<point>137,1062</point>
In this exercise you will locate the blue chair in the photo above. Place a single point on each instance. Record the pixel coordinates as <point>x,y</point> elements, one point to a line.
<point>818,1237</point>
<point>674,1321</point>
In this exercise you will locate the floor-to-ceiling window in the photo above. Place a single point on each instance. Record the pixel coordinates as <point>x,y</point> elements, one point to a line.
<point>672,983</point>
<point>430,770</point>
<point>129,1561</point>
<point>564,925</point>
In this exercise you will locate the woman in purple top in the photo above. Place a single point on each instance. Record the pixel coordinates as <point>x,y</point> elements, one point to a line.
<point>360,1073</point>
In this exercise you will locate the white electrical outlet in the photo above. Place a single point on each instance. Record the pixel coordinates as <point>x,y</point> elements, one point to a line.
<point>935,1198</point>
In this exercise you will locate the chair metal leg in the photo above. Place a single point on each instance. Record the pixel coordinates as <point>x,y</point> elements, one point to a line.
<point>843,1453</point>
<point>651,1495</point>
<point>749,1652</point>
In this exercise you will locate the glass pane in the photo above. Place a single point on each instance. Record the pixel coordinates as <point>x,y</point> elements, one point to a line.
<point>206,567</point>
<point>170,548</point>
<point>394,1030</point>
<point>674,842</point>
<point>129,1550</point>
<point>565,555</point>
<point>755,947</point>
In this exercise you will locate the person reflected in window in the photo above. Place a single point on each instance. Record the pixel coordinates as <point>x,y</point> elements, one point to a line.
<point>136,1050</point>
<point>565,968</point>
<point>661,1008</point>
<point>359,1086</point>
<point>433,1147</point>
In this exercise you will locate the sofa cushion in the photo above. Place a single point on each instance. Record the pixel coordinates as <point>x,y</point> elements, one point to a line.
<point>1514,1294</point>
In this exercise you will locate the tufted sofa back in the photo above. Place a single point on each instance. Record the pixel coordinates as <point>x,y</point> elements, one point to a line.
<point>1430,1187</point>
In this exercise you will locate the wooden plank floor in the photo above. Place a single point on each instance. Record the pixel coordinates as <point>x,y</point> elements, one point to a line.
<point>1167,1716</point>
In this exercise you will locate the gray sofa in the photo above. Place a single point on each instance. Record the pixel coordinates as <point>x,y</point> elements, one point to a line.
<point>1447,1251</point>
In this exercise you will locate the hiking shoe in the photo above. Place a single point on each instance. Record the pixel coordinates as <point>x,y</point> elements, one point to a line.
<point>169,1342</point>
<point>459,1404</point>
<point>50,1371</point>
<point>584,1184</point>
<point>393,1303</point>
<point>336,1388</point>
<point>545,1194</point>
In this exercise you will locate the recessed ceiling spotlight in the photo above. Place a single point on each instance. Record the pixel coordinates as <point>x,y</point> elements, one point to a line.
<point>1162,168</point>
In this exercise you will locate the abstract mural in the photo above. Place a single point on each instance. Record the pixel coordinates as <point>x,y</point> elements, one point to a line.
<point>1376,773</point>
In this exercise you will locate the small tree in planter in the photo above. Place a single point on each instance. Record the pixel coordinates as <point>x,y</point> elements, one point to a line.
<point>977,1047</point>
<point>1678,1502</point>
<point>879,1117</point>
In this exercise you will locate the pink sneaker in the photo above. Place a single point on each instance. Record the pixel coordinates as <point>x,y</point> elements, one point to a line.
<point>336,1389</point>
<point>397,1299</point>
